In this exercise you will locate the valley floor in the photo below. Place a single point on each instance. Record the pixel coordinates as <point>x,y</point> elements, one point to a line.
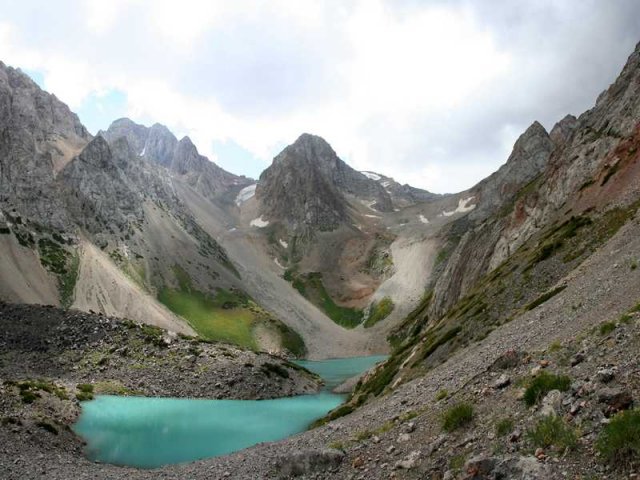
<point>400,435</point>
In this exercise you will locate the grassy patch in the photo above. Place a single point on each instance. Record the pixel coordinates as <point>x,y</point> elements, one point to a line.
<point>85,392</point>
<point>539,386</point>
<point>442,394</point>
<point>457,416</point>
<point>113,387</point>
<point>606,328</point>
<point>379,311</point>
<point>53,256</point>
<point>544,297</point>
<point>221,317</point>
<point>552,431</point>
<point>504,427</point>
<point>29,390</point>
<point>311,287</point>
<point>68,281</point>
<point>619,441</point>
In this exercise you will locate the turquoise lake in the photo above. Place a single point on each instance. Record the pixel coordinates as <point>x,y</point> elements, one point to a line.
<point>149,432</point>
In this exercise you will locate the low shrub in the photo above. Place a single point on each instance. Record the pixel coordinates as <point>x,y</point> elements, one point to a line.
<point>619,441</point>
<point>539,386</point>
<point>457,416</point>
<point>504,426</point>
<point>552,431</point>
<point>442,394</point>
<point>607,327</point>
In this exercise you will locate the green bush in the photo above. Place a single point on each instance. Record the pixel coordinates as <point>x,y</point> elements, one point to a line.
<point>542,384</point>
<point>607,327</point>
<point>553,431</point>
<point>85,387</point>
<point>85,392</point>
<point>619,441</point>
<point>442,394</point>
<point>504,426</point>
<point>457,416</point>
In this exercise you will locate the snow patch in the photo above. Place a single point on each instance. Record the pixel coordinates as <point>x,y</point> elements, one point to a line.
<point>283,243</point>
<point>385,184</point>
<point>245,194</point>
<point>371,216</point>
<point>144,149</point>
<point>278,263</point>
<point>463,207</point>
<point>259,222</point>
<point>423,219</point>
<point>368,203</point>
<point>371,175</point>
<point>233,229</point>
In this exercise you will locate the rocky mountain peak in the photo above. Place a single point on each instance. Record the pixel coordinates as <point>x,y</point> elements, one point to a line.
<point>562,130</point>
<point>309,187</point>
<point>157,144</point>
<point>528,159</point>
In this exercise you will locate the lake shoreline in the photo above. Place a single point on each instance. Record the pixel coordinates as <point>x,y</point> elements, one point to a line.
<point>50,356</point>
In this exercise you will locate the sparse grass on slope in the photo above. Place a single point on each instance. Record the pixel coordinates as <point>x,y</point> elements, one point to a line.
<point>228,316</point>
<point>379,311</point>
<point>311,287</point>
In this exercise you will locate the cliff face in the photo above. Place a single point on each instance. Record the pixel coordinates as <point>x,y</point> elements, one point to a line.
<point>38,136</point>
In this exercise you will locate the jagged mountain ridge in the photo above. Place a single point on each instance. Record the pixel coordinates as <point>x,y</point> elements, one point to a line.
<point>158,144</point>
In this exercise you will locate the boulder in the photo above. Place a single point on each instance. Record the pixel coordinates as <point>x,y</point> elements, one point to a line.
<point>308,461</point>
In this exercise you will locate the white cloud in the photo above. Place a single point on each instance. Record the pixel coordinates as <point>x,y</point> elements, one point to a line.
<point>433,94</point>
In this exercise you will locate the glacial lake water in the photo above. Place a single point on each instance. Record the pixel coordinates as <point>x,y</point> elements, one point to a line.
<point>148,432</point>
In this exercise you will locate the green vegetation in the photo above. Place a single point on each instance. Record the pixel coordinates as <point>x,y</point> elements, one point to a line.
<point>457,416</point>
<point>291,340</point>
<point>552,431</point>
<point>85,392</point>
<point>433,345</point>
<point>5,230</point>
<point>544,297</point>
<point>311,287</point>
<point>29,390</point>
<point>48,426</point>
<point>113,387</point>
<point>68,281</point>
<point>442,394</point>
<point>557,238</point>
<point>379,311</point>
<point>619,441</point>
<point>539,386</point>
<point>228,316</point>
<point>224,317</point>
<point>269,368</point>
<point>53,256</point>
<point>457,462</point>
<point>504,426</point>
<point>606,328</point>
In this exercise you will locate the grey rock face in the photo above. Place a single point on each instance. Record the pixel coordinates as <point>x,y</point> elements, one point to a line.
<point>98,196</point>
<point>307,184</point>
<point>39,135</point>
<point>158,145</point>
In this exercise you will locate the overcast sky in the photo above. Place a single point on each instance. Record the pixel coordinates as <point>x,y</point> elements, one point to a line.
<point>433,93</point>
